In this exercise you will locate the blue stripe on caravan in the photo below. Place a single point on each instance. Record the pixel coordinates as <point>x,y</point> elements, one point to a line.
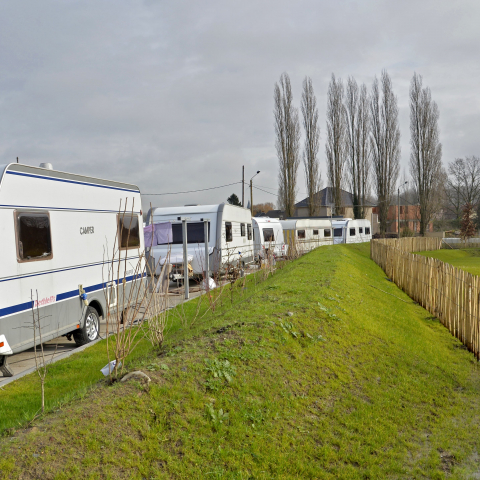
<point>70,181</point>
<point>15,308</point>
<point>21,307</point>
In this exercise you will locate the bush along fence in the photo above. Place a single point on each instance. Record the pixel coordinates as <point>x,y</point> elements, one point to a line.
<point>451,294</point>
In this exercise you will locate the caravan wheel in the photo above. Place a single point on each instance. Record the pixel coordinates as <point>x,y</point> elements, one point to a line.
<point>90,330</point>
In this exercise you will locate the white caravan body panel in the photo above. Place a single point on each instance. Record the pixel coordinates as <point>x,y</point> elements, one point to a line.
<point>358,231</point>
<point>81,214</point>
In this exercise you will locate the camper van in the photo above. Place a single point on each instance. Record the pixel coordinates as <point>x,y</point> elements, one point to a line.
<point>268,235</point>
<point>230,239</point>
<point>57,234</point>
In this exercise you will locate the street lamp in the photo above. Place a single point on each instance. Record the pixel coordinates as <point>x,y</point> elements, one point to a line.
<point>251,192</point>
<point>398,213</point>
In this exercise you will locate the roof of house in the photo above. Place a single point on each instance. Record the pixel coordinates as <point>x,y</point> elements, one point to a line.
<point>325,197</point>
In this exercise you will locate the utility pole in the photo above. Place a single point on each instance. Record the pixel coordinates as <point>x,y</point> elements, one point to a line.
<point>251,197</point>
<point>251,192</point>
<point>185,257</point>
<point>398,213</point>
<point>243,185</point>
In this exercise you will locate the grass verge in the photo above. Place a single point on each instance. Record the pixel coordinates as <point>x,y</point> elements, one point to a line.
<point>326,370</point>
<point>467,259</point>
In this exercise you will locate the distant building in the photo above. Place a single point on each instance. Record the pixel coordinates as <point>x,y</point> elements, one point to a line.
<point>326,208</point>
<point>409,217</point>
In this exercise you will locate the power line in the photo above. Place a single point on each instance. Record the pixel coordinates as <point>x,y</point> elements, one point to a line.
<point>194,191</point>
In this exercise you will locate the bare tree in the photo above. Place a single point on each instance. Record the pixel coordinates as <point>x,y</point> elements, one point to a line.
<point>287,131</point>
<point>357,119</point>
<point>426,153</point>
<point>312,140</point>
<point>463,184</point>
<point>385,144</point>
<point>335,144</point>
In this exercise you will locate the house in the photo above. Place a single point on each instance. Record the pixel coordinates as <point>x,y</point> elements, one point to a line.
<point>409,218</point>
<point>324,201</point>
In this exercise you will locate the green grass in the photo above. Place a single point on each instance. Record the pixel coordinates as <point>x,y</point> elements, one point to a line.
<point>467,259</point>
<point>326,370</point>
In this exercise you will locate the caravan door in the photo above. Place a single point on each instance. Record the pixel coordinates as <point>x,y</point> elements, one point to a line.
<point>338,235</point>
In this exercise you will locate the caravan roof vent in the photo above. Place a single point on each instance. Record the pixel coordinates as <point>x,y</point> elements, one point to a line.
<point>48,166</point>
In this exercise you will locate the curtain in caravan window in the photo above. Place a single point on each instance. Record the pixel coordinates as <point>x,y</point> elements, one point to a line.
<point>158,233</point>
<point>34,239</point>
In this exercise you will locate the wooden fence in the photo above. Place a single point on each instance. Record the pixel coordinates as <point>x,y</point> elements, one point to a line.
<point>451,294</point>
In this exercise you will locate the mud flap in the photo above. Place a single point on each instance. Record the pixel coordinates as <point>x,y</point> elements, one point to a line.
<point>4,368</point>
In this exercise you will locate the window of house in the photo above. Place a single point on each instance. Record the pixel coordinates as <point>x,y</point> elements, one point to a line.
<point>34,241</point>
<point>249,231</point>
<point>195,233</point>
<point>228,231</point>
<point>315,232</point>
<point>367,230</point>
<point>128,231</point>
<point>327,232</point>
<point>352,232</point>
<point>360,229</point>
<point>242,229</point>
<point>338,232</point>
<point>268,235</point>
<point>301,234</point>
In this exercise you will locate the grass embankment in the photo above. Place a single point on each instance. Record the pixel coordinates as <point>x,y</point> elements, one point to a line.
<point>467,259</point>
<point>327,371</point>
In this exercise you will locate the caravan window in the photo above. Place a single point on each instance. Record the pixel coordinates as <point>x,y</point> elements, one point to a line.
<point>301,234</point>
<point>249,231</point>
<point>34,241</point>
<point>242,229</point>
<point>268,235</point>
<point>338,232</point>
<point>128,231</point>
<point>315,232</point>
<point>327,232</point>
<point>195,233</point>
<point>228,231</point>
<point>360,229</point>
<point>352,232</point>
<point>367,230</point>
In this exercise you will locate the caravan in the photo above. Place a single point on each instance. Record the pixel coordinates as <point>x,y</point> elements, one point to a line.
<point>358,231</point>
<point>305,234</point>
<point>268,235</point>
<point>230,239</point>
<point>57,233</point>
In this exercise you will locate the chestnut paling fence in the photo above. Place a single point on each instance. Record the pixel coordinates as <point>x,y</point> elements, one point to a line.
<point>449,293</point>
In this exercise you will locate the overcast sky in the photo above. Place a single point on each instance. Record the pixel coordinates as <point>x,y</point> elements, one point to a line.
<point>178,95</point>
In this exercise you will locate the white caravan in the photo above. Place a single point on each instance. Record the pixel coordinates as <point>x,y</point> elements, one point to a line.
<point>230,237</point>
<point>268,235</point>
<point>358,231</point>
<point>57,231</point>
<point>305,234</point>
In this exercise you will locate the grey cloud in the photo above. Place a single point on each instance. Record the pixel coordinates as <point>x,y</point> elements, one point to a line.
<point>179,95</point>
